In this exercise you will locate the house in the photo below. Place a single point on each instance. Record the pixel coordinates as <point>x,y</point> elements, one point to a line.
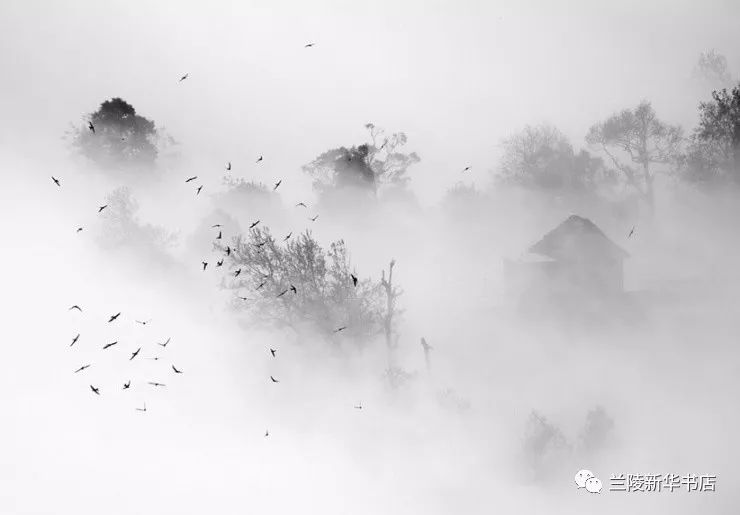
<point>574,260</point>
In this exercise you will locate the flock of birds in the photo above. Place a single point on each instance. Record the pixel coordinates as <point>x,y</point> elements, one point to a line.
<point>134,354</point>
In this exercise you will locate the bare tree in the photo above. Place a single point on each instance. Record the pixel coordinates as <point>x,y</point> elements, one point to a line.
<point>635,140</point>
<point>392,293</point>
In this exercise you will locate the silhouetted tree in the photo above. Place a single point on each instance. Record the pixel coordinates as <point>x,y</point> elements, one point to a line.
<point>542,158</point>
<point>597,430</point>
<point>713,155</point>
<point>635,140</point>
<point>366,167</point>
<point>325,297</point>
<point>122,138</point>
<point>543,445</point>
<point>711,68</point>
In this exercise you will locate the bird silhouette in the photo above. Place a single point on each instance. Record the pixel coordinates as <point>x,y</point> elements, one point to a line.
<point>288,236</point>
<point>113,317</point>
<point>165,343</point>
<point>340,329</point>
<point>100,209</point>
<point>79,229</point>
<point>126,386</point>
<point>237,272</point>
<point>466,169</point>
<point>259,159</point>
<point>205,264</point>
<point>134,354</point>
<point>277,184</point>
<point>219,263</point>
<point>143,322</point>
<point>183,77</point>
<point>282,293</point>
<point>244,298</point>
<point>354,279</point>
<point>254,224</point>
<point>83,367</point>
<point>74,340</point>
<point>56,181</point>
<point>301,204</point>
<point>274,380</point>
<point>95,390</point>
<point>176,371</point>
<point>314,218</point>
<point>228,166</point>
<point>631,232</point>
<point>219,235</point>
<point>142,409</point>
<point>197,192</point>
<point>91,127</point>
<point>359,406</point>
<point>293,289</point>
<point>309,45</point>
<point>78,308</point>
<point>260,245</point>
<point>267,433</point>
<point>191,179</point>
<point>216,225</point>
<point>107,345</point>
<point>155,384</point>
<point>260,286</point>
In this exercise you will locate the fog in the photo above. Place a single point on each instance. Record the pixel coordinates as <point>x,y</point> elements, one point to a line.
<point>451,435</point>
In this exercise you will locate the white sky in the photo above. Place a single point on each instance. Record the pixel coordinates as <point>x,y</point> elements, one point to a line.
<point>455,76</point>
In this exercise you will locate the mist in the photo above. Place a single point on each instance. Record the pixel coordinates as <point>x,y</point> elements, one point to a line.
<point>439,142</point>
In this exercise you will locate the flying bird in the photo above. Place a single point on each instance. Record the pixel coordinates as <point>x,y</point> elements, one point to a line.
<point>244,298</point>
<point>260,286</point>
<point>273,351</point>
<point>134,354</point>
<point>95,390</point>
<point>165,343</point>
<point>219,263</point>
<point>143,322</point>
<point>267,433</point>
<point>277,184</point>
<point>354,279</point>
<point>260,159</point>
<point>56,181</point>
<point>238,271</point>
<point>78,308</point>
<point>126,386</point>
<point>183,77</point>
<point>274,380</point>
<point>301,204</point>
<point>109,345</point>
<point>359,406</point>
<point>631,232</point>
<point>228,250</point>
<point>309,45</point>
<point>228,166</point>
<point>91,127</point>
<point>100,209</point>
<point>282,293</point>
<point>113,317</point>
<point>205,264</point>
<point>254,224</point>
<point>314,218</point>
<point>216,225</point>
<point>156,384</point>
<point>340,329</point>
<point>260,245</point>
<point>74,340</point>
<point>219,235</point>
<point>83,367</point>
<point>191,179</point>
<point>197,192</point>
<point>293,289</point>
<point>466,169</point>
<point>142,409</point>
<point>288,236</point>
<point>79,229</point>
<point>176,371</point>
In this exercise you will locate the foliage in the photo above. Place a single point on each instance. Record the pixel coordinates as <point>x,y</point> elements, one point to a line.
<point>366,167</point>
<point>598,429</point>
<point>121,226</point>
<point>121,137</point>
<point>712,68</point>
<point>542,158</point>
<point>542,443</point>
<point>635,140</point>
<point>325,297</point>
